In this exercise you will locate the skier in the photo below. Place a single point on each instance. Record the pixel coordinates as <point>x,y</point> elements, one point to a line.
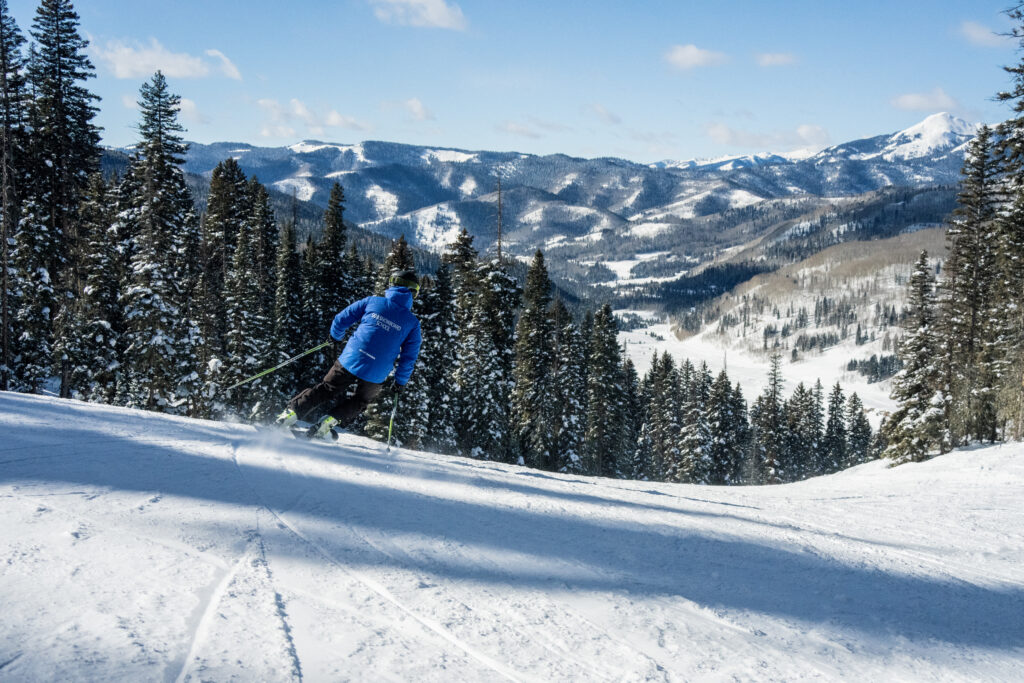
<point>387,328</point>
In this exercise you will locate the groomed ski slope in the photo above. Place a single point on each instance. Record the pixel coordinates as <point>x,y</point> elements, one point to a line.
<point>136,546</point>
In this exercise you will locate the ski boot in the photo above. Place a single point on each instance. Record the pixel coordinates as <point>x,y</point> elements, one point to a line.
<point>286,419</point>
<point>324,429</point>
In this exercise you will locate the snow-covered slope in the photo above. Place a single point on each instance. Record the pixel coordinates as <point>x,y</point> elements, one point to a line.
<point>142,547</point>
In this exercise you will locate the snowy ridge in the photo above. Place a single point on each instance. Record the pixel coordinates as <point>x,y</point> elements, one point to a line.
<point>141,546</point>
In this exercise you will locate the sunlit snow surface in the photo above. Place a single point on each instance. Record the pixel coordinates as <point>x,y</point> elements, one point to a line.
<point>141,547</point>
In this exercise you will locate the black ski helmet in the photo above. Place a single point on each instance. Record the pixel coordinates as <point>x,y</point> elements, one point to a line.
<point>407,279</point>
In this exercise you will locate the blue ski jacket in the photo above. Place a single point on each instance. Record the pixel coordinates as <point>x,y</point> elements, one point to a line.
<point>387,328</point>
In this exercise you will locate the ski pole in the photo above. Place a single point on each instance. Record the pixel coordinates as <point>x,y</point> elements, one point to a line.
<point>278,367</point>
<point>394,409</point>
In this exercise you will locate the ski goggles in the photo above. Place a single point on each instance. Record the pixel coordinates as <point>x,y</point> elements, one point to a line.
<point>413,287</point>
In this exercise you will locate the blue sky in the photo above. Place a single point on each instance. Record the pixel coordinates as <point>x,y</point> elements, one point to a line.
<point>646,80</point>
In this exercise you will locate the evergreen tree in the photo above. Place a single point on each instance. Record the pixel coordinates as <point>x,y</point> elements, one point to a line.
<point>743,436</point>
<point>968,287</point>
<point>264,229</point>
<point>160,362</point>
<point>697,463</point>
<point>603,446</point>
<point>770,427</point>
<point>568,387</point>
<point>437,360</point>
<point>249,332</point>
<point>335,287</point>
<point>228,209</point>
<point>287,311</point>
<point>64,146</point>
<point>917,425</point>
<point>399,258</point>
<point>12,150</point>
<point>858,433</point>
<point>632,417</point>
<point>835,442</point>
<point>479,382</point>
<point>533,393</point>
<point>91,346</point>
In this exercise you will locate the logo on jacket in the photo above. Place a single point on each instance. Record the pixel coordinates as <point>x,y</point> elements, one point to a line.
<point>384,322</point>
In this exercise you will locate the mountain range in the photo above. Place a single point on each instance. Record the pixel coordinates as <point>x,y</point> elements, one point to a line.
<point>594,210</point>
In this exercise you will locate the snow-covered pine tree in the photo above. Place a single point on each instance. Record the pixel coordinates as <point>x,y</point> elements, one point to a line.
<point>227,210</point>
<point>287,312</point>
<point>95,324</point>
<point>263,225</point>
<point>632,416</point>
<point>664,418</point>
<point>249,333</point>
<point>335,286</point>
<point>967,295</point>
<point>481,423</point>
<point>568,388</point>
<point>532,393</point>
<point>437,360</point>
<point>858,433</point>
<point>13,105</point>
<point>835,438</point>
<point>159,335</point>
<point>314,329</point>
<point>917,426</point>
<point>603,445</point>
<point>770,426</point>
<point>64,145</point>
<point>721,425</point>
<point>742,435</point>
<point>696,432</point>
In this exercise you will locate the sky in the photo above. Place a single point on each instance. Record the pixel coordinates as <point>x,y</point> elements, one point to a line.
<point>645,80</point>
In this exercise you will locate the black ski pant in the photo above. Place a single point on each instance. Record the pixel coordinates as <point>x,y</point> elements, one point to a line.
<point>333,389</point>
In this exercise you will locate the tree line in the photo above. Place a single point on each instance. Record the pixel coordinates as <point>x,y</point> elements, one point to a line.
<point>963,353</point>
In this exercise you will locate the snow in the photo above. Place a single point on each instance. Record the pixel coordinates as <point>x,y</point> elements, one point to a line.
<point>301,185</point>
<point>468,186</point>
<point>138,546</point>
<point>448,155</point>
<point>386,203</point>
<point>436,226</point>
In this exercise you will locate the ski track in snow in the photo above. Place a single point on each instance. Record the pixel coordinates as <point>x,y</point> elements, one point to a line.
<point>141,546</point>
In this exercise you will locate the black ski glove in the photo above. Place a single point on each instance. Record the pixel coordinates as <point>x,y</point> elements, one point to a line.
<point>336,347</point>
<point>396,387</point>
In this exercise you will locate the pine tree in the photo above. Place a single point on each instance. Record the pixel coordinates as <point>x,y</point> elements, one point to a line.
<point>249,332</point>
<point>64,146</point>
<point>95,318</point>
<point>159,360</point>
<point>264,229</point>
<point>399,258</point>
<point>858,433</point>
<point>568,387</point>
<point>743,436</point>
<point>770,427</point>
<point>533,393</point>
<point>968,294</point>
<point>228,209</point>
<point>287,312</point>
<point>835,441</point>
<point>13,104</point>
<point>437,362</point>
<point>917,425</point>
<point>335,286</point>
<point>696,456</point>
<point>603,446</point>
<point>632,417</point>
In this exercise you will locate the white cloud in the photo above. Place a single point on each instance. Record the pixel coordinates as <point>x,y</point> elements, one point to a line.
<point>428,13</point>
<point>936,100</point>
<point>518,129</point>
<point>804,136</point>
<point>190,112</point>
<point>137,60</point>
<point>549,126</point>
<point>140,61</point>
<point>417,110</point>
<point>283,116</point>
<point>686,57</point>
<point>130,101</point>
<point>602,113</point>
<point>775,59</point>
<point>227,67</point>
<point>978,34</point>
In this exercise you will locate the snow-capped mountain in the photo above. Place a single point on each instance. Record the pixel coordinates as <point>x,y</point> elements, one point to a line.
<point>430,193</point>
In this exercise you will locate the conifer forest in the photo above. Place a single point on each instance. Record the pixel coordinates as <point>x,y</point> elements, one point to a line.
<point>120,289</point>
